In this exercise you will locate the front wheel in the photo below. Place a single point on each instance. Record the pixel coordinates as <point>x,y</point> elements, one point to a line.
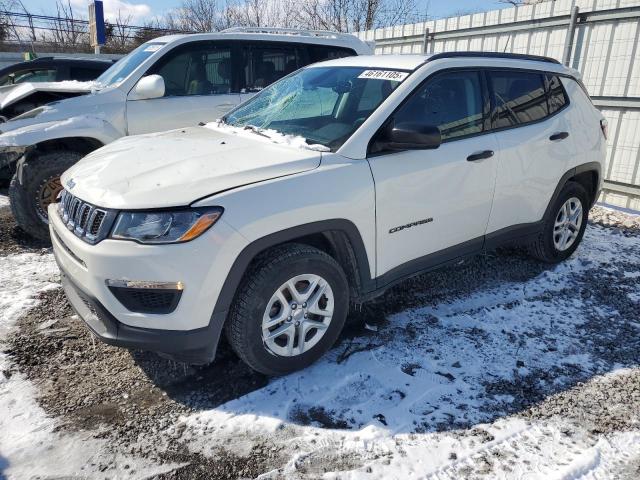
<point>35,185</point>
<point>288,310</point>
<point>564,225</point>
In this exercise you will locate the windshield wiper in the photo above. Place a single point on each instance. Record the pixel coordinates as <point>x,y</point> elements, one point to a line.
<point>256,130</point>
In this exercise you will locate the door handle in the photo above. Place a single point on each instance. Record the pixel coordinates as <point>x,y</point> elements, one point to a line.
<point>480,156</point>
<point>559,136</point>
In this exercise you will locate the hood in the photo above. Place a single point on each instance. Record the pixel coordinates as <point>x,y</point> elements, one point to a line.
<point>105,105</point>
<point>17,92</point>
<point>178,167</point>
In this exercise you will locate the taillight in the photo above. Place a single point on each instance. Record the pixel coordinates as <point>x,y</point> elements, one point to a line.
<point>604,126</point>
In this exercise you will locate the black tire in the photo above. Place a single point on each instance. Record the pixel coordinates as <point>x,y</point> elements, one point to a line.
<point>264,277</point>
<point>544,248</point>
<point>31,184</point>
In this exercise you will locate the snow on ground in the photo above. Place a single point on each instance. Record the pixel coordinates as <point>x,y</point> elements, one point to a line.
<point>30,447</point>
<point>4,201</point>
<point>431,382</point>
<point>438,390</point>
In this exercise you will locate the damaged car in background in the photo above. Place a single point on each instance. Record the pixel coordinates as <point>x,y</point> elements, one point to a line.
<point>169,82</point>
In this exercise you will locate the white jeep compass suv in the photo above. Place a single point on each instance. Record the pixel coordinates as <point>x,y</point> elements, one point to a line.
<point>323,190</point>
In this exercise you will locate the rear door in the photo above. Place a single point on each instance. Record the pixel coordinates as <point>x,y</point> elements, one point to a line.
<point>535,144</point>
<point>200,86</point>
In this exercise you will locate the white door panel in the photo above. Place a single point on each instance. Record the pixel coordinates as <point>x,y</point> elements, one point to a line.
<point>158,114</point>
<point>441,188</point>
<point>529,169</point>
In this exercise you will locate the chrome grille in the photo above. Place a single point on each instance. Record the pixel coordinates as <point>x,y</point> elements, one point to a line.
<point>85,220</point>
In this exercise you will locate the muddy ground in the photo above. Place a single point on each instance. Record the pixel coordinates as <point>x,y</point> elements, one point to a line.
<point>135,398</point>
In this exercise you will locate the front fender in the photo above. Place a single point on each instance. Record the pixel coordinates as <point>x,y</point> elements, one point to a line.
<point>80,126</point>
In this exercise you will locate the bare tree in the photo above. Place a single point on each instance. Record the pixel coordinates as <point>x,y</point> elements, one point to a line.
<point>65,31</point>
<point>198,16</point>
<point>119,33</point>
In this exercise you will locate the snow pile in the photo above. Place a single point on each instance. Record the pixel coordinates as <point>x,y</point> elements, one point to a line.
<point>270,135</point>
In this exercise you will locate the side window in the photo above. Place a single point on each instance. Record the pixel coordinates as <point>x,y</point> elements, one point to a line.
<point>320,53</point>
<point>519,98</point>
<point>84,74</point>
<point>451,101</point>
<point>43,75</point>
<point>265,65</point>
<point>557,95</point>
<point>196,70</point>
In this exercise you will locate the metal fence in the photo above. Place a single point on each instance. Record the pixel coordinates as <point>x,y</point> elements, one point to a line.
<point>597,37</point>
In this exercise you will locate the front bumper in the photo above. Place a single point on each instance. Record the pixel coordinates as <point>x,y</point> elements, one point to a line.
<point>189,346</point>
<point>190,332</point>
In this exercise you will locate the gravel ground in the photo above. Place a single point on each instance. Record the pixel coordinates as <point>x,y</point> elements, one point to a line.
<point>138,402</point>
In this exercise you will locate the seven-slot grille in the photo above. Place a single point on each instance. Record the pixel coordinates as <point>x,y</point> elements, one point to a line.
<point>86,221</point>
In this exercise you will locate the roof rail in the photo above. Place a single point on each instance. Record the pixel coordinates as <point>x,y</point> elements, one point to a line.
<point>289,31</point>
<point>515,56</point>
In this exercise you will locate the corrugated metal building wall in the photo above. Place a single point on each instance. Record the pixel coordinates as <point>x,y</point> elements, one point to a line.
<point>597,37</point>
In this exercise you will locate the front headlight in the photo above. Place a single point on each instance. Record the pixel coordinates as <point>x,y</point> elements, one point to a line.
<point>168,226</point>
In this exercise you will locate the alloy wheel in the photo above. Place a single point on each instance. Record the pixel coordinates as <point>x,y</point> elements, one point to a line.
<point>567,225</point>
<point>47,194</point>
<point>297,315</point>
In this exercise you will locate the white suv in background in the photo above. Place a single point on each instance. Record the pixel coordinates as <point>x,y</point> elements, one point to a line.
<point>169,82</point>
<point>323,190</point>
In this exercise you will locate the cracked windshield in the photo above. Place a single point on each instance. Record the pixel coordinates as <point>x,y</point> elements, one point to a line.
<point>323,105</point>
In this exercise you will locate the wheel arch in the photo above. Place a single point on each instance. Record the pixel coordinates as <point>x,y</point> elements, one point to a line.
<point>587,174</point>
<point>83,145</point>
<point>339,238</point>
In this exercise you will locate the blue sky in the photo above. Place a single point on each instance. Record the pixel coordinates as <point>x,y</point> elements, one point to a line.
<point>144,9</point>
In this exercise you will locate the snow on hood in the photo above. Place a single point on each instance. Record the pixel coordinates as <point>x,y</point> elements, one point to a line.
<point>273,135</point>
<point>25,89</point>
<point>177,167</point>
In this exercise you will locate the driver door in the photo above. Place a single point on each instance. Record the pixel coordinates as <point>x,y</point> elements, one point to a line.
<point>200,86</point>
<point>434,205</point>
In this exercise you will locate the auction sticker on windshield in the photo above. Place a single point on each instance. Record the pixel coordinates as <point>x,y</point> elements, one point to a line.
<point>392,75</point>
<point>154,47</point>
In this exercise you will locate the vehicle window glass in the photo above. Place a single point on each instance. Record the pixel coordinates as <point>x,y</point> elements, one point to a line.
<point>320,53</point>
<point>200,70</point>
<point>123,67</point>
<point>323,105</point>
<point>519,98</point>
<point>450,101</point>
<point>83,74</point>
<point>557,95</point>
<point>372,94</point>
<point>33,75</point>
<point>263,66</point>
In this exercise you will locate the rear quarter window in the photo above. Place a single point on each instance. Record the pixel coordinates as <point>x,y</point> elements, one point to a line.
<point>557,96</point>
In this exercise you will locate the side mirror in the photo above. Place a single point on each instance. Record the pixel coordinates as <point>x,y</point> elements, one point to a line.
<point>412,136</point>
<point>151,86</point>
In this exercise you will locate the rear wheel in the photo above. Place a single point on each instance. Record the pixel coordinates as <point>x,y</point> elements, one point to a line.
<point>35,185</point>
<point>564,225</point>
<point>288,310</point>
